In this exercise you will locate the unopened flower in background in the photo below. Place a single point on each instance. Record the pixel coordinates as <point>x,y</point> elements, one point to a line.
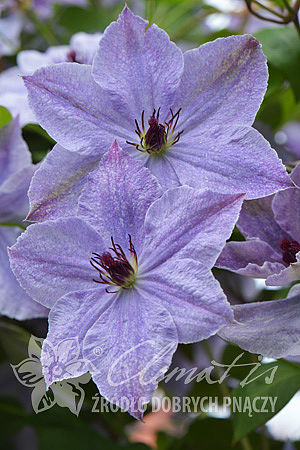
<point>13,94</point>
<point>16,170</point>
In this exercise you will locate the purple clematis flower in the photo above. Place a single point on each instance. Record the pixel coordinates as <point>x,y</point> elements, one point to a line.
<point>130,276</point>
<point>13,94</point>
<point>16,170</point>
<point>185,117</point>
<point>272,228</point>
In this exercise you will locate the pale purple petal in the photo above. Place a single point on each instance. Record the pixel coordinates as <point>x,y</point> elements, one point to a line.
<point>189,224</point>
<point>287,275</point>
<point>254,258</point>
<point>85,46</point>
<point>13,95</point>
<point>192,296</point>
<point>57,184</point>
<point>286,207</point>
<point>223,83</point>
<point>75,111</point>
<point>14,154</point>
<point>14,203</point>
<point>139,65</point>
<point>130,347</point>
<point>164,170</point>
<point>228,160</point>
<point>53,258</point>
<point>70,318</point>
<point>295,175</point>
<point>270,328</point>
<point>14,301</point>
<point>117,196</point>
<point>257,221</point>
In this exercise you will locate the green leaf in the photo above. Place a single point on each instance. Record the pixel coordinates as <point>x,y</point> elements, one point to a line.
<point>14,341</point>
<point>282,48</point>
<point>5,116</point>
<point>284,385</point>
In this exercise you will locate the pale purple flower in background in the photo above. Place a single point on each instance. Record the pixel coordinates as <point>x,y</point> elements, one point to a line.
<point>271,226</point>
<point>13,94</point>
<point>15,20</point>
<point>10,29</point>
<point>130,277</point>
<point>16,170</point>
<point>186,117</point>
<point>289,136</point>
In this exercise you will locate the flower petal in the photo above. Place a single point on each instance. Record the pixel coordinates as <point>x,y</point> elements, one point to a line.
<point>270,328</point>
<point>189,224</point>
<point>287,275</point>
<point>57,184</point>
<point>14,154</point>
<point>286,207</point>
<point>53,258</point>
<point>254,258</point>
<point>139,65</point>
<point>75,111</point>
<point>192,296</point>
<point>224,82</point>
<point>117,196</point>
<point>14,301</point>
<point>231,161</point>
<point>14,203</point>
<point>257,221</point>
<point>130,347</point>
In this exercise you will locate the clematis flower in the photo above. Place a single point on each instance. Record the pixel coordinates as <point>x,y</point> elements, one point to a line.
<point>14,20</point>
<point>129,277</point>
<point>185,117</point>
<point>272,248</point>
<point>16,170</point>
<point>13,94</point>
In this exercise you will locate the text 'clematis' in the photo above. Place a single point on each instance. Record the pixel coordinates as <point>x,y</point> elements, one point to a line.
<point>129,277</point>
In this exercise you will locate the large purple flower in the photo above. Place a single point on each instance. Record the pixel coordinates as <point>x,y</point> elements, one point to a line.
<point>16,170</point>
<point>272,228</point>
<point>130,277</point>
<point>13,94</point>
<point>185,117</point>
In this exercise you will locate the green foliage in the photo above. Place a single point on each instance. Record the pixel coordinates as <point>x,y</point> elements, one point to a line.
<point>285,384</point>
<point>282,48</point>
<point>5,116</point>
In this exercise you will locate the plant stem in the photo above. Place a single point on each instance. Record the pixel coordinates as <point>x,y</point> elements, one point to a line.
<point>42,28</point>
<point>150,11</point>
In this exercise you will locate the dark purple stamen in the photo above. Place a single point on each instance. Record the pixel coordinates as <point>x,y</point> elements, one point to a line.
<point>289,249</point>
<point>158,136</point>
<point>71,56</point>
<point>114,269</point>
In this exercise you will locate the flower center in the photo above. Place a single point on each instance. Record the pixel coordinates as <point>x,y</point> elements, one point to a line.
<point>289,250</point>
<point>159,137</point>
<point>114,268</point>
